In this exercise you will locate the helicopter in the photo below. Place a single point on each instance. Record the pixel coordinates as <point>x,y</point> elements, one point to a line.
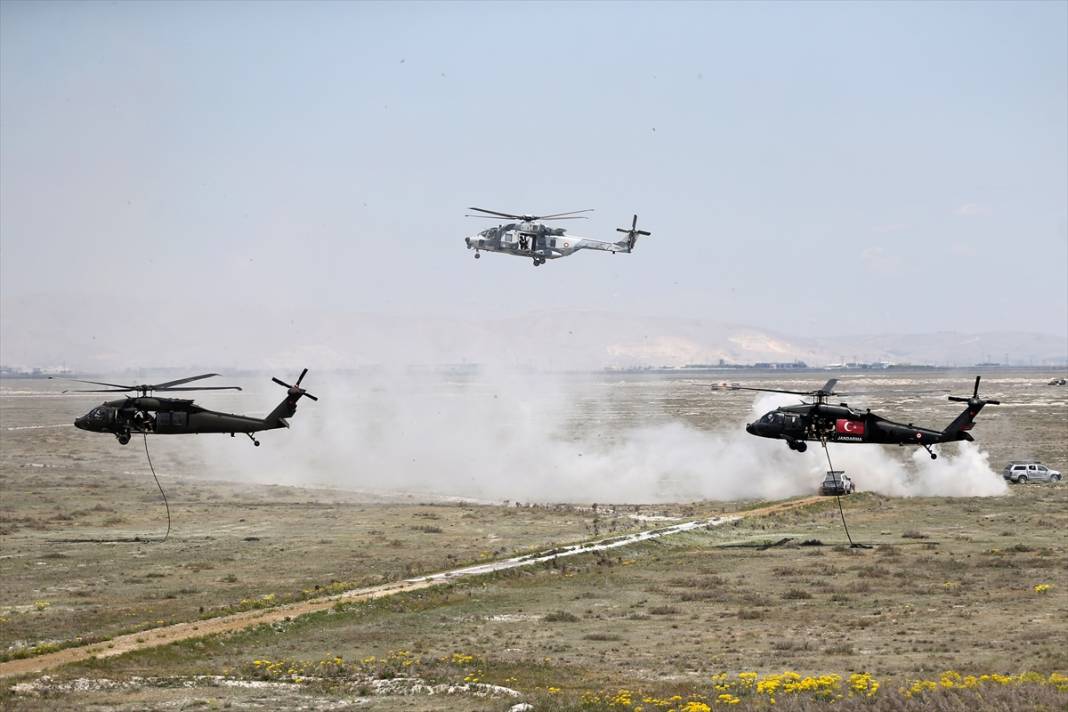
<point>175,416</point>
<point>825,422</point>
<point>530,238</point>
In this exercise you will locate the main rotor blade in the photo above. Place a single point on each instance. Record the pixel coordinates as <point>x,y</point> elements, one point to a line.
<point>102,390</point>
<point>180,381</point>
<point>576,217</point>
<point>828,387</point>
<point>768,390</point>
<point>99,383</point>
<point>494,212</point>
<point>557,215</point>
<point>201,388</point>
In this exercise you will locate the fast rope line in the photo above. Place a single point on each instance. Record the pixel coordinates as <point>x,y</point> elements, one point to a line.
<point>136,539</point>
<point>168,506</point>
<point>838,498</point>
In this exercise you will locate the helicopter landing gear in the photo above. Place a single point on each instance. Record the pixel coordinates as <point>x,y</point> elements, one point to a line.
<point>799,445</point>
<point>538,261</point>
<point>253,439</point>
<point>123,437</point>
<point>929,451</point>
<point>477,256</point>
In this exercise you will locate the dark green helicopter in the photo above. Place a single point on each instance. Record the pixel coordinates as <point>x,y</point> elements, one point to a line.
<point>176,416</point>
<point>825,422</point>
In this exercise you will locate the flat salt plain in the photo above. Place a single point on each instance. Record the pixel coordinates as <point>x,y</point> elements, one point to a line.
<point>949,586</point>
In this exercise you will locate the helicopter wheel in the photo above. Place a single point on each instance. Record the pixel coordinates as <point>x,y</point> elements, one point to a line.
<point>478,256</point>
<point>124,438</point>
<point>934,456</point>
<point>801,446</point>
<point>256,443</point>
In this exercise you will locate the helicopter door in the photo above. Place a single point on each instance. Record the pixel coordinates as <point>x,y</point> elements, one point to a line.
<point>509,240</point>
<point>793,425</point>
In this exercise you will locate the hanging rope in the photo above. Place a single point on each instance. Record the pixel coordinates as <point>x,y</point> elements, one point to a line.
<point>167,504</point>
<point>838,498</point>
<point>136,539</point>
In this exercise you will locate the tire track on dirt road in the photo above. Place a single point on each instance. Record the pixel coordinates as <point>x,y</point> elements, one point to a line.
<point>165,635</point>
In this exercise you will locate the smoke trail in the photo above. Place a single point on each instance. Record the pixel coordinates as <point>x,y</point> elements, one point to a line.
<point>534,437</point>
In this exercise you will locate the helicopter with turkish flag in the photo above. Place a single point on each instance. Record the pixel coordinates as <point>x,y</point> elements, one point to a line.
<point>824,422</point>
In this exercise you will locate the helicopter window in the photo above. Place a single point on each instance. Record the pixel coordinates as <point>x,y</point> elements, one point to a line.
<point>768,417</point>
<point>163,419</point>
<point>178,419</point>
<point>554,242</point>
<point>779,418</point>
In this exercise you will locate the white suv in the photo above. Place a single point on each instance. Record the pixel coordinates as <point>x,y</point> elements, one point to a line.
<point>1023,471</point>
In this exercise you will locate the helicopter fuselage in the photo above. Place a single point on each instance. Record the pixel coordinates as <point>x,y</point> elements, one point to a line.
<point>840,423</point>
<point>165,416</point>
<point>537,242</point>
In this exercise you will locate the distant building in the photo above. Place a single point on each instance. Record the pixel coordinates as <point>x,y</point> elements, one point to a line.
<point>781,364</point>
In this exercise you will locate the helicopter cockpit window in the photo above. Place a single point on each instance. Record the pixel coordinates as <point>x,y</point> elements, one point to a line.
<point>768,417</point>
<point>97,413</point>
<point>779,418</point>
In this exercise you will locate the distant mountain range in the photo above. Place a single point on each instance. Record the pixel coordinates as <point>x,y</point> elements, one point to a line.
<point>122,335</point>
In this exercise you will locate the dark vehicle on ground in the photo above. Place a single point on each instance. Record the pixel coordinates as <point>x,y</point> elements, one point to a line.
<point>837,482</point>
<point>1023,471</point>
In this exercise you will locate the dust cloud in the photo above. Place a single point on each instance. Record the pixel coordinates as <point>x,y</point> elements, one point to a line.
<point>534,437</point>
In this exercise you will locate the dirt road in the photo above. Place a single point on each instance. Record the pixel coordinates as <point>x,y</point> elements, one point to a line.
<point>165,635</point>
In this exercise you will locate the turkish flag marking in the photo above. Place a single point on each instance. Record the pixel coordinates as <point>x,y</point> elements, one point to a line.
<point>849,427</point>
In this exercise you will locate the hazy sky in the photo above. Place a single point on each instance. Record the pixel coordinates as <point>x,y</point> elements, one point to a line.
<point>838,167</point>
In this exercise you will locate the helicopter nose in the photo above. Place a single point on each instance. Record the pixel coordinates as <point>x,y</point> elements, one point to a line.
<point>80,423</point>
<point>749,428</point>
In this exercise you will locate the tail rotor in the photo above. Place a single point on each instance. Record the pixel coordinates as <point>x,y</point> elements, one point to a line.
<point>295,389</point>
<point>974,399</point>
<point>632,233</point>
<point>958,429</point>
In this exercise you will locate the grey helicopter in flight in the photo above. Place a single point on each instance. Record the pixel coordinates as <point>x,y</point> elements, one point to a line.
<point>528,237</point>
<point>146,414</point>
